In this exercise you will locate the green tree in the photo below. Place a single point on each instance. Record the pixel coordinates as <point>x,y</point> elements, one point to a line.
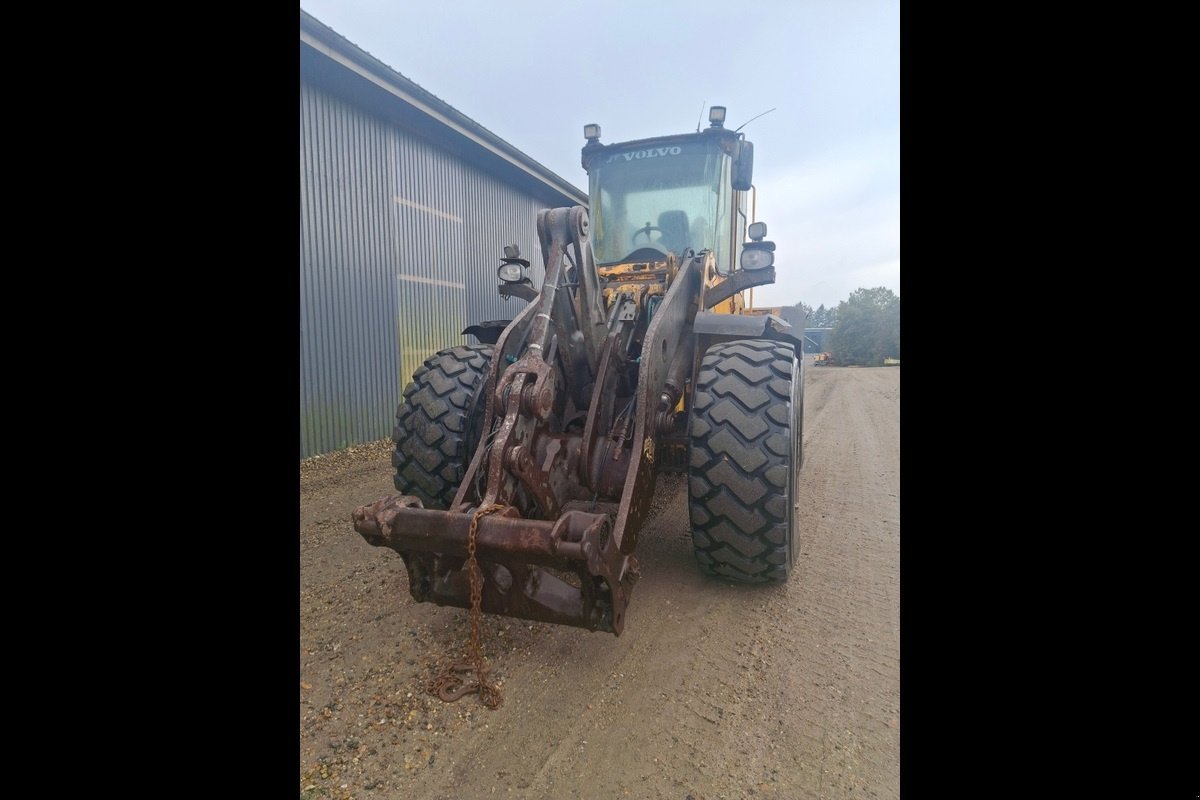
<point>823,317</point>
<point>868,327</point>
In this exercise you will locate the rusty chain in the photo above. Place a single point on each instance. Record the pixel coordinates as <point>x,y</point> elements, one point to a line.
<point>449,685</point>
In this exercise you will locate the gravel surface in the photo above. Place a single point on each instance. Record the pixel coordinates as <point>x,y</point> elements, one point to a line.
<point>713,690</point>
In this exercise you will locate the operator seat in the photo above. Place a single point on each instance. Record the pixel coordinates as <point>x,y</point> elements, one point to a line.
<point>674,225</point>
<point>699,234</point>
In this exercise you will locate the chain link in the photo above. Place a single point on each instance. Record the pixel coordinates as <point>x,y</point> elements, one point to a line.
<point>449,685</point>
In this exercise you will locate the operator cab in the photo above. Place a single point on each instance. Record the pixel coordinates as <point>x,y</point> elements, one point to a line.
<point>670,194</point>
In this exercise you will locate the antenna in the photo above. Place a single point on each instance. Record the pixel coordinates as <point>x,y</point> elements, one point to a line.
<point>747,122</point>
<point>701,119</point>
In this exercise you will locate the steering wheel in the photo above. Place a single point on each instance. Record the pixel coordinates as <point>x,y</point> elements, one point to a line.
<point>646,230</point>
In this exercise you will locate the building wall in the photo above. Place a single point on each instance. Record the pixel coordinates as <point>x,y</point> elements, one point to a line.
<point>399,244</point>
<point>814,339</point>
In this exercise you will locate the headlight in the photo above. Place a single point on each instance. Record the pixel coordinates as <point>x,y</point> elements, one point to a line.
<point>755,258</point>
<point>509,273</point>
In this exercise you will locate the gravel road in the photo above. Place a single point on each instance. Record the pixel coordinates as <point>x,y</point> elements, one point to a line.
<point>713,690</point>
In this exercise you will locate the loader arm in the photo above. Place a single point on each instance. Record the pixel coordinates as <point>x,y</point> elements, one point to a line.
<point>574,473</point>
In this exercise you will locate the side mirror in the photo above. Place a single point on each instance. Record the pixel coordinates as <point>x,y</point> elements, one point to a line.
<point>743,166</point>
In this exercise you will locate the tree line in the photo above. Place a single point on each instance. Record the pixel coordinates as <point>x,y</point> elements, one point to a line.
<point>865,327</point>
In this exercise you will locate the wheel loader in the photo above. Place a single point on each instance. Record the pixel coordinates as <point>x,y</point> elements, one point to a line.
<point>526,463</point>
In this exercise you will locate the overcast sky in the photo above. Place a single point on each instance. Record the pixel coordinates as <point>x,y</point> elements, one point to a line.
<point>826,161</point>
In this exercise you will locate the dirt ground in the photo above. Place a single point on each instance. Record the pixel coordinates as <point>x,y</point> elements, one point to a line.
<point>712,691</point>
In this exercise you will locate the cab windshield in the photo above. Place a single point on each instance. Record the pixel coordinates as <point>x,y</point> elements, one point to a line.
<point>650,200</point>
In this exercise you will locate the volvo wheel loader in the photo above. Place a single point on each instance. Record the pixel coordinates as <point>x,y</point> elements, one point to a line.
<point>526,463</point>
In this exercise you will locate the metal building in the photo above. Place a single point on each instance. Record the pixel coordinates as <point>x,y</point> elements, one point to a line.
<point>405,206</point>
<point>814,339</point>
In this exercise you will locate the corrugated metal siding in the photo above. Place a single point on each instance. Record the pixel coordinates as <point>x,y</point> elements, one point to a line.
<point>399,244</point>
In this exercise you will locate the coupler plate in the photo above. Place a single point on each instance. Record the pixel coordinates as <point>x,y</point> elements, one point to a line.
<point>515,556</point>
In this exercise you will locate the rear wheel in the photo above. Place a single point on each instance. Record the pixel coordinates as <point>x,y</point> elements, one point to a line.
<point>438,422</point>
<point>744,460</point>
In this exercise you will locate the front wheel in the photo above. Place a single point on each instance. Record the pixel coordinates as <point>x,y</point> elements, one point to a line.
<point>438,423</point>
<point>744,460</point>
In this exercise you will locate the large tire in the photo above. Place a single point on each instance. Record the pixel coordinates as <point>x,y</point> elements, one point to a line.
<point>438,422</point>
<point>745,435</point>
